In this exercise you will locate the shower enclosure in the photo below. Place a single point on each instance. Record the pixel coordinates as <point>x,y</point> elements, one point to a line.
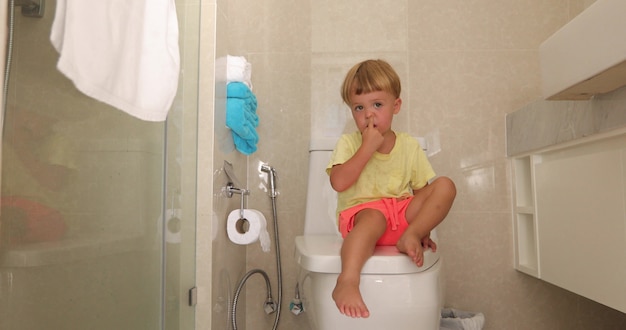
<point>97,215</point>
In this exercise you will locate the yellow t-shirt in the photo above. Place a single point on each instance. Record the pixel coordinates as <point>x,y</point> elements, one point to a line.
<point>391,175</point>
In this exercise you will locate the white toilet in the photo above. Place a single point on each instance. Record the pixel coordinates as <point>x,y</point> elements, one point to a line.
<point>398,294</point>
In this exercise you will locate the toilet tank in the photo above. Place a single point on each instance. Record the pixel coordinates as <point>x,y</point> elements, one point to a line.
<point>321,200</point>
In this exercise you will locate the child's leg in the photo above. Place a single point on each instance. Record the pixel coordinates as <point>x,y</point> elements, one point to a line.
<point>357,247</point>
<point>427,209</point>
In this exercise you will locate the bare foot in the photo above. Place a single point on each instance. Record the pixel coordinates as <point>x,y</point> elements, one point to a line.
<point>412,246</point>
<point>348,298</point>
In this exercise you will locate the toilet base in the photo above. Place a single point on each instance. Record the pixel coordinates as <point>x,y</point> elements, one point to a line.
<point>399,302</point>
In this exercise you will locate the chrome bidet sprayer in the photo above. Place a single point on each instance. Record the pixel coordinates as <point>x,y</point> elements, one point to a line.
<point>271,173</point>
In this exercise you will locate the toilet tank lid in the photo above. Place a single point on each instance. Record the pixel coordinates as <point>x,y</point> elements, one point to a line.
<point>321,254</point>
<point>323,143</point>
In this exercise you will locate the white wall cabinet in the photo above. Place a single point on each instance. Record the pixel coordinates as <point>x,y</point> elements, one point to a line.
<point>570,218</point>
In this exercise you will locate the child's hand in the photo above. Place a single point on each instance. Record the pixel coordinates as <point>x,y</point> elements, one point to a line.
<point>372,139</point>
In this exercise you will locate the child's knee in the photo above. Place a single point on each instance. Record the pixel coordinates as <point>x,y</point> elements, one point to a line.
<point>446,186</point>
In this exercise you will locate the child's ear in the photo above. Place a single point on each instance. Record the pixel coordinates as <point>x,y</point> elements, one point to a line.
<point>397,104</point>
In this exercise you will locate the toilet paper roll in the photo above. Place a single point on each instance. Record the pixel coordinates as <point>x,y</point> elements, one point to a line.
<point>248,229</point>
<point>173,225</point>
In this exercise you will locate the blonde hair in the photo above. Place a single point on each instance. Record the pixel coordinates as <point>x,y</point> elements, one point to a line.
<point>370,76</point>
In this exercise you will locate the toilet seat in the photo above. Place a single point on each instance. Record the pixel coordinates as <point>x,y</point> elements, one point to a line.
<point>321,254</point>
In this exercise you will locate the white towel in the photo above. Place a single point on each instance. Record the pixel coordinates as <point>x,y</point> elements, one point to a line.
<point>237,69</point>
<point>121,52</point>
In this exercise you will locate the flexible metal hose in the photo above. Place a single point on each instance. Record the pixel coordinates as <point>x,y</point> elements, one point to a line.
<point>240,287</point>
<point>278,263</point>
<point>271,172</point>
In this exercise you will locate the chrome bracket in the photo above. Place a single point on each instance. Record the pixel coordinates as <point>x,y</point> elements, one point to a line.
<point>193,296</point>
<point>230,190</point>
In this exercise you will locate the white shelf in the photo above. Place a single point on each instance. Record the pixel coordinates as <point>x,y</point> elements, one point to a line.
<point>525,224</point>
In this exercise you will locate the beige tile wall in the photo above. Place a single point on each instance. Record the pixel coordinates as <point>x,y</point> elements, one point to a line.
<point>464,65</point>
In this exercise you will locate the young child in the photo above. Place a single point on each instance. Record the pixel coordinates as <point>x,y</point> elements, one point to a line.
<point>386,191</point>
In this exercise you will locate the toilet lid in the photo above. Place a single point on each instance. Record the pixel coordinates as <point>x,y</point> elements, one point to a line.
<point>321,254</point>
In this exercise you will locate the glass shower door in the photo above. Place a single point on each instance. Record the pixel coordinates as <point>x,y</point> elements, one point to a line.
<point>90,224</point>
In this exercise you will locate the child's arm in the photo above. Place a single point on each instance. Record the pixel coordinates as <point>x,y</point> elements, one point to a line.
<point>343,176</point>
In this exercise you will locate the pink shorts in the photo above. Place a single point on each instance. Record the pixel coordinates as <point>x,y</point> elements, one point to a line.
<point>394,211</point>
<point>36,222</point>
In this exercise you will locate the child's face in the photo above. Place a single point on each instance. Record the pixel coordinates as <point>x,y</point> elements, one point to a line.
<point>378,106</point>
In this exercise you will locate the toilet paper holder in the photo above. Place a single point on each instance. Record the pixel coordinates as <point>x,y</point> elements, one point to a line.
<point>231,189</point>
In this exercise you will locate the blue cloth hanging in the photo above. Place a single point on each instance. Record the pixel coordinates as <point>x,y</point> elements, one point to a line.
<point>241,117</point>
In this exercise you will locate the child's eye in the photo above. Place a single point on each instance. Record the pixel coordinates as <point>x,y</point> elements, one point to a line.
<point>358,108</point>
<point>378,105</point>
